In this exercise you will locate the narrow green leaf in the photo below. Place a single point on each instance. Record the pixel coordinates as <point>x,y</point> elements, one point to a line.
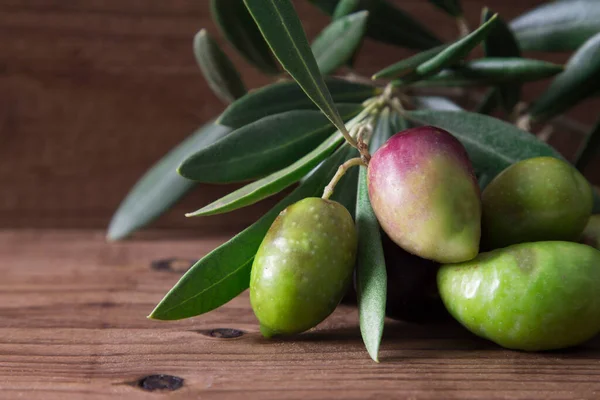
<point>237,25</point>
<point>492,144</point>
<point>383,130</point>
<point>218,70</point>
<point>389,24</point>
<point>161,186</point>
<point>408,65</point>
<point>589,149</point>
<point>451,54</point>
<point>345,7</point>
<point>371,275</point>
<point>451,7</point>
<point>436,103</point>
<point>338,41</point>
<point>501,43</point>
<point>286,96</point>
<point>398,122</point>
<point>491,71</point>
<point>282,29</point>
<point>262,147</point>
<point>225,272</point>
<point>275,182</point>
<point>272,184</point>
<point>580,80</point>
<point>558,26</point>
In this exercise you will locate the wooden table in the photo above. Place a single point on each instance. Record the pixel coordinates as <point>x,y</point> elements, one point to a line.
<point>72,325</point>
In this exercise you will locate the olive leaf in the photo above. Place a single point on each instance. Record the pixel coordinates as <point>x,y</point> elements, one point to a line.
<point>558,26</point>
<point>492,144</point>
<point>580,80</point>
<point>450,55</point>
<point>262,147</point>
<point>501,43</point>
<point>345,7</point>
<point>286,96</point>
<point>371,275</point>
<point>282,29</point>
<point>436,103</point>
<point>490,71</point>
<point>238,27</point>
<point>275,182</point>
<point>398,122</point>
<point>451,7</point>
<point>408,65</point>
<point>161,186</point>
<point>218,70</point>
<point>389,24</point>
<point>224,273</point>
<point>336,44</point>
<point>589,148</point>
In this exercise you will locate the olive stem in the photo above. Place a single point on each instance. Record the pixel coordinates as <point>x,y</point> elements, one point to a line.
<point>340,173</point>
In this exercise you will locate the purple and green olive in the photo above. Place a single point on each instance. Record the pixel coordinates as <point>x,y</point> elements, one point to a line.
<point>529,296</point>
<point>303,266</point>
<point>412,293</point>
<point>537,199</point>
<point>425,195</point>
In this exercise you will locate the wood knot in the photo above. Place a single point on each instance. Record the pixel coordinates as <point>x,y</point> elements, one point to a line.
<point>172,264</point>
<point>223,333</point>
<point>151,383</point>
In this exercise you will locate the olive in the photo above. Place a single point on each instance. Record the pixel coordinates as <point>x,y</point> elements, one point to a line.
<point>303,266</point>
<point>537,199</point>
<point>529,296</point>
<point>425,194</point>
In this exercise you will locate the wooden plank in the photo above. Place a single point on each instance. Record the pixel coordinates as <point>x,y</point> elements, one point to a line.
<point>72,325</point>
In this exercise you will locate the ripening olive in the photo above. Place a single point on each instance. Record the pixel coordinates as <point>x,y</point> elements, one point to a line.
<point>529,296</point>
<point>538,199</point>
<point>425,195</point>
<point>303,266</point>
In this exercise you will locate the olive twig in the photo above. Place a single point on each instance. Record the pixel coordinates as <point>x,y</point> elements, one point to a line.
<point>340,173</point>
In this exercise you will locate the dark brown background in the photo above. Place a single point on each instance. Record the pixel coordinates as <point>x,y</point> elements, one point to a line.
<point>93,92</point>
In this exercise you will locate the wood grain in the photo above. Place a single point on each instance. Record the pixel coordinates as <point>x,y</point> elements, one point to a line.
<point>72,325</point>
<point>93,92</point>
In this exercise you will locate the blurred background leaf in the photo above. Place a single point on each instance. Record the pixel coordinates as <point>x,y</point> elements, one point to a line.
<point>580,80</point>
<point>502,43</point>
<point>161,187</point>
<point>336,44</point>
<point>562,25</point>
<point>219,72</point>
<point>238,27</point>
<point>389,24</point>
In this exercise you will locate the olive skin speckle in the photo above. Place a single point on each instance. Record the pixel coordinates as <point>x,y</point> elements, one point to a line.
<point>303,267</point>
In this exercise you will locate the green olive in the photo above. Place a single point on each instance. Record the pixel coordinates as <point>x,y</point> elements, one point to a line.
<point>303,266</point>
<point>537,199</point>
<point>529,296</point>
